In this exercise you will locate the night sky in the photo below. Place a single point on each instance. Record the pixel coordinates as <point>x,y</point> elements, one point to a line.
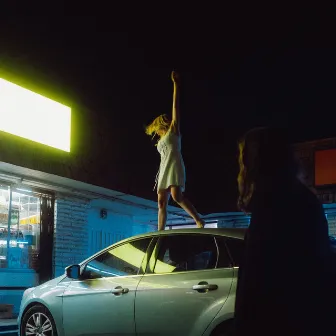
<point>121,74</point>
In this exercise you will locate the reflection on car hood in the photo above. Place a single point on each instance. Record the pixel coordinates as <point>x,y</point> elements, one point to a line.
<point>52,282</point>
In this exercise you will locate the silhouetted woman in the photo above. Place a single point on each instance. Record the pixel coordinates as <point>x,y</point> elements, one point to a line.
<point>284,284</point>
<point>171,175</point>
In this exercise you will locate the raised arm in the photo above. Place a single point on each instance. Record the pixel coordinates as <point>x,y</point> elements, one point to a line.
<point>176,110</point>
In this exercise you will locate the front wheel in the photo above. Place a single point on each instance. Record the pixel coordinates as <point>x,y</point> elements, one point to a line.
<point>37,321</point>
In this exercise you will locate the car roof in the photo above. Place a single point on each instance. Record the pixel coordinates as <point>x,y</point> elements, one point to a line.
<point>238,233</point>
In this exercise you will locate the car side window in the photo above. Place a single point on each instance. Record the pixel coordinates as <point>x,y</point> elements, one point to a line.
<point>180,253</point>
<point>125,259</point>
<point>236,249</point>
<point>224,258</point>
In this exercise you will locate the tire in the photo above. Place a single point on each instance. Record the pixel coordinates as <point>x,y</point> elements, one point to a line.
<point>225,329</point>
<point>36,321</point>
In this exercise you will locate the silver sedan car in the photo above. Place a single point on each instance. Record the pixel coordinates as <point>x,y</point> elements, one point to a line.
<point>174,282</point>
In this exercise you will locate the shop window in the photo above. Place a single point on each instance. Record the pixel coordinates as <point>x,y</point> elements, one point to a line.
<point>5,237</point>
<point>19,228</point>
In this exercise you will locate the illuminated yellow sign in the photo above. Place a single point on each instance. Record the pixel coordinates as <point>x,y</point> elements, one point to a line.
<point>35,219</point>
<point>29,115</point>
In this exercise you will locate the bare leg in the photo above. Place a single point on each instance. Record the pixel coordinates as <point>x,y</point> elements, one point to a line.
<point>185,204</point>
<point>163,198</point>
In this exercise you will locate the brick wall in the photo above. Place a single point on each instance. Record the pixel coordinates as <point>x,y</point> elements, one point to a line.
<point>142,228</point>
<point>105,232</point>
<point>240,222</point>
<point>332,224</point>
<point>71,232</point>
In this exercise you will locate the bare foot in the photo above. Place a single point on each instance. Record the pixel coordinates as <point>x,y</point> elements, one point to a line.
<point>200,224</point>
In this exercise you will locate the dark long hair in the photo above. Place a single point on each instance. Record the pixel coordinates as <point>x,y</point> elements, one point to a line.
<point>265,161</point>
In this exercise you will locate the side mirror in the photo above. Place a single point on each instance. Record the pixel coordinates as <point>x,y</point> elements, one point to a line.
<point>73,272</point>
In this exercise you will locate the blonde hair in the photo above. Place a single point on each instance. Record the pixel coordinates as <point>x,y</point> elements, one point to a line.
<point>161,122</point>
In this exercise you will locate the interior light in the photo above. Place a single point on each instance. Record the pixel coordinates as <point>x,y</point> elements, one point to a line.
<point>24,190</point>
<point>12,243</point>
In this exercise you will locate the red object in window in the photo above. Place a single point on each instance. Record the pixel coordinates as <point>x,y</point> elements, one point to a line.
<point>325,167</point>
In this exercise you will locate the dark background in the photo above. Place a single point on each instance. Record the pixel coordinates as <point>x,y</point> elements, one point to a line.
<point>118,67</point>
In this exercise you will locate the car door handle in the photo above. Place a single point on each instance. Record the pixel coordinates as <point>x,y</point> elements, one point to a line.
<point>119,290</point>
<point>205,287</point>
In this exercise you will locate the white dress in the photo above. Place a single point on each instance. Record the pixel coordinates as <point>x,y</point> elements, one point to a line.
<point>172,169</point>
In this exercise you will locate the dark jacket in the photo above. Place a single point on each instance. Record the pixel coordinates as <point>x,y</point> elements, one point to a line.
<point>285,280</point>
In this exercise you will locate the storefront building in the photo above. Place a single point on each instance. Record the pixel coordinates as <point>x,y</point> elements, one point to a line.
<point>318,165</point>
<point>23,219</point>
<point>51,213</point>
<point>49,222</point>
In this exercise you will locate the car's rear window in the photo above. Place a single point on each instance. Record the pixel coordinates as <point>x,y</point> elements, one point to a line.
<point>236,249</point>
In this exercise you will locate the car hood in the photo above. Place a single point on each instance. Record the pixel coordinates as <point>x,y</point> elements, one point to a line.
<point>49,283</point>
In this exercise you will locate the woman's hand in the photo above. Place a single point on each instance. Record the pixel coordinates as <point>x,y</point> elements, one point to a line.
<point>175,113</point>
<point>175,77</point>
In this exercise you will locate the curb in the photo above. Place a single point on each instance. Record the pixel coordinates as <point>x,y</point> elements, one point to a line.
<point>11,328</point>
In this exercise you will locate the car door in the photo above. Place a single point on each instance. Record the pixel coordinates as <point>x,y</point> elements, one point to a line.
<point>235,248</point>
<point>183,289</point>
<point>102,302</point>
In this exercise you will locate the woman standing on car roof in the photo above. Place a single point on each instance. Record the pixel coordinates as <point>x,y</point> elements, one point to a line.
<point>285,280</point>
<point>171,176</point>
